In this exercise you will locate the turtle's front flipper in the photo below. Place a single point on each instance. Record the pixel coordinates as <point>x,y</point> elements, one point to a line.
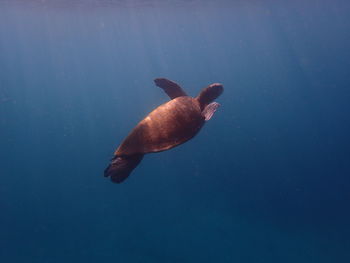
<point>121,167</point>
<point>170,87</point>
<point>209,110</point>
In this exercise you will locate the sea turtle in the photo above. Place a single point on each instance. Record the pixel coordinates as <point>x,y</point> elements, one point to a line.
<point>169,125</point>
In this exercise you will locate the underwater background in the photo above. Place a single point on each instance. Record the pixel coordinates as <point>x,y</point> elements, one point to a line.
<point>266,179</point>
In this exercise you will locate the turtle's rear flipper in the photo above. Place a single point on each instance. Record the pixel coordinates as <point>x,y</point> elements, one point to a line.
<point>121,167</point>
<point>170,87</point>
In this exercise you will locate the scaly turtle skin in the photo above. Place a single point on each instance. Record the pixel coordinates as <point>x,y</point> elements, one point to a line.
<point>169,125</point>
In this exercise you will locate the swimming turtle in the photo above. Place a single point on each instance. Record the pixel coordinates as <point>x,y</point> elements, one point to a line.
<point>169,125</point>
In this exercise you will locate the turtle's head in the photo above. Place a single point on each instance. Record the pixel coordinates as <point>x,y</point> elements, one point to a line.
<point>209,94</point>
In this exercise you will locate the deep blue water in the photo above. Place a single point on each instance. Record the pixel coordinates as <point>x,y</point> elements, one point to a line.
<point>266,180</point>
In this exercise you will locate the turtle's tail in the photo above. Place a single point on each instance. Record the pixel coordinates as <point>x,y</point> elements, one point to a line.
<point>121,167</point>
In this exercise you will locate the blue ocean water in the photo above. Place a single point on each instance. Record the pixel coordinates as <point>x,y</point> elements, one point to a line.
<point>267,178</point>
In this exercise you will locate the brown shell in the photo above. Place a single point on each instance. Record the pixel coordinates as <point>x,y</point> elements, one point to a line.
<point>167,126</point>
